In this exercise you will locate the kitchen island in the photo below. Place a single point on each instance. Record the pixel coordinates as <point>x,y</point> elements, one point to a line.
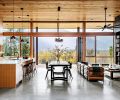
<point>11,72</point>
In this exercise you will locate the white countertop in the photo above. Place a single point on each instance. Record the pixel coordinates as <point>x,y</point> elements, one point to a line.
<point>10,61</point>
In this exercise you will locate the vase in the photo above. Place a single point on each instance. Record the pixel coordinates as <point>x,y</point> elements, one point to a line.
<point>58,60</point>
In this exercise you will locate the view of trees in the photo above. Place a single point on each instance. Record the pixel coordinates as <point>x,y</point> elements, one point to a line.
<point>11,47</point>
<point>25,47</point>
<point>50,50</point>
<point>44,56</point>
<point>102,56</point>
<point>99,50</point>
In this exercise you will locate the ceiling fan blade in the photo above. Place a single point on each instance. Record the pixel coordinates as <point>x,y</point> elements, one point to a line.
<point>108,24</point>
<point>105,26</point>
<point>110,27</point>
<point>99,27</point>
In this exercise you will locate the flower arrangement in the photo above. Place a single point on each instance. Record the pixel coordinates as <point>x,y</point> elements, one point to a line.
<point>59,51</point>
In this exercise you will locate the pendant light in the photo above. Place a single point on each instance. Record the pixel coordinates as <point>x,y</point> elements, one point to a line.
<point>13,37</point>
<point>22,40</point>
<point>58,39</point>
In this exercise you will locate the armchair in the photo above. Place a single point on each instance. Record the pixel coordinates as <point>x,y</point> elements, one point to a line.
<point>95,73</point>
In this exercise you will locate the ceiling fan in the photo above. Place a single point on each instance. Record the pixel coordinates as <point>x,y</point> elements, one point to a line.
<point>106,26</point>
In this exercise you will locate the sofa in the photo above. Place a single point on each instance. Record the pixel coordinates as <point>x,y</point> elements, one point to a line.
<point>91,72</point>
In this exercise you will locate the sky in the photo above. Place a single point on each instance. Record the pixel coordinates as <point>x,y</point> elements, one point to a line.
<point>103,42</point>
<point>49,43</point>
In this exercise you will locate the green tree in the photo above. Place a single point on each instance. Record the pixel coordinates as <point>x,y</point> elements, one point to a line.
<point>90,52</point>
<point>111,52</point>
<point>25,47</point>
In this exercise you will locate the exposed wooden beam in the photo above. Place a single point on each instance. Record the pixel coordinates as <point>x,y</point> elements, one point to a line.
<point>57,21</point>
<point>43,34</point>
<point>55,34</point>
<point>99,34</point>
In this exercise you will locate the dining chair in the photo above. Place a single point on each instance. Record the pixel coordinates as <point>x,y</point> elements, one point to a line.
<point>34,67</point>
<point>69,69</point>
<point>48,69</point>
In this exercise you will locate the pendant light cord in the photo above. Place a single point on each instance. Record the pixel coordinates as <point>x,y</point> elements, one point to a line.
<point>105,15</point>
<point>58,20</point>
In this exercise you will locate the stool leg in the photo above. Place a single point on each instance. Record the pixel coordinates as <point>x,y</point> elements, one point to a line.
<point>46,74</point>
<point>70,73</point>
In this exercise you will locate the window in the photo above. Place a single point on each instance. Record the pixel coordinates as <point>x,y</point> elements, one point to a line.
<point>11,47</point>
<point>47,49</point>
<point>90,46</point>
<point>25,49</point>
<point>104,50</point>
<point>99,49</point>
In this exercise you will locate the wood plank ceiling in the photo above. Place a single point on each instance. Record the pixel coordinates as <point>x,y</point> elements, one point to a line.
<point>71,10</point>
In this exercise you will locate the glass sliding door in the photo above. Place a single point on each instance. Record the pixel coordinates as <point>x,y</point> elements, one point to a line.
<point>99,49</point>
<point>90,49</point>
<point>47,49</point>
<point>104,49</point>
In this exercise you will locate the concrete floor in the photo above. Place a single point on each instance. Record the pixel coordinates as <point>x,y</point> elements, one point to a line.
<point>37,88</point>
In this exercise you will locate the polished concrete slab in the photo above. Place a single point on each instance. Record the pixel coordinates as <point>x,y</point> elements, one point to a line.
<point>37,88</point>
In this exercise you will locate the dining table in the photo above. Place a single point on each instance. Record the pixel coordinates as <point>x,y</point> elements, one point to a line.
<point>63,74</point>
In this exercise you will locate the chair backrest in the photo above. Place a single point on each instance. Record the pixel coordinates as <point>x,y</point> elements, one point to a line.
<point>70,66</point>
<point>46,65</point>
<point>86,63</point>
<point>95,65</point>
<point>105,65</point>
<point>96,71</point>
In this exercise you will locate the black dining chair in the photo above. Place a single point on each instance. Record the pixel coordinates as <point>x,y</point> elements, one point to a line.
<point>69,69</point>
<point>48,69</point>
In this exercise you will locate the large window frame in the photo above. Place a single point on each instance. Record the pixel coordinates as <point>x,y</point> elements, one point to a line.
<point>95,56</point>
<point>84,33</point>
